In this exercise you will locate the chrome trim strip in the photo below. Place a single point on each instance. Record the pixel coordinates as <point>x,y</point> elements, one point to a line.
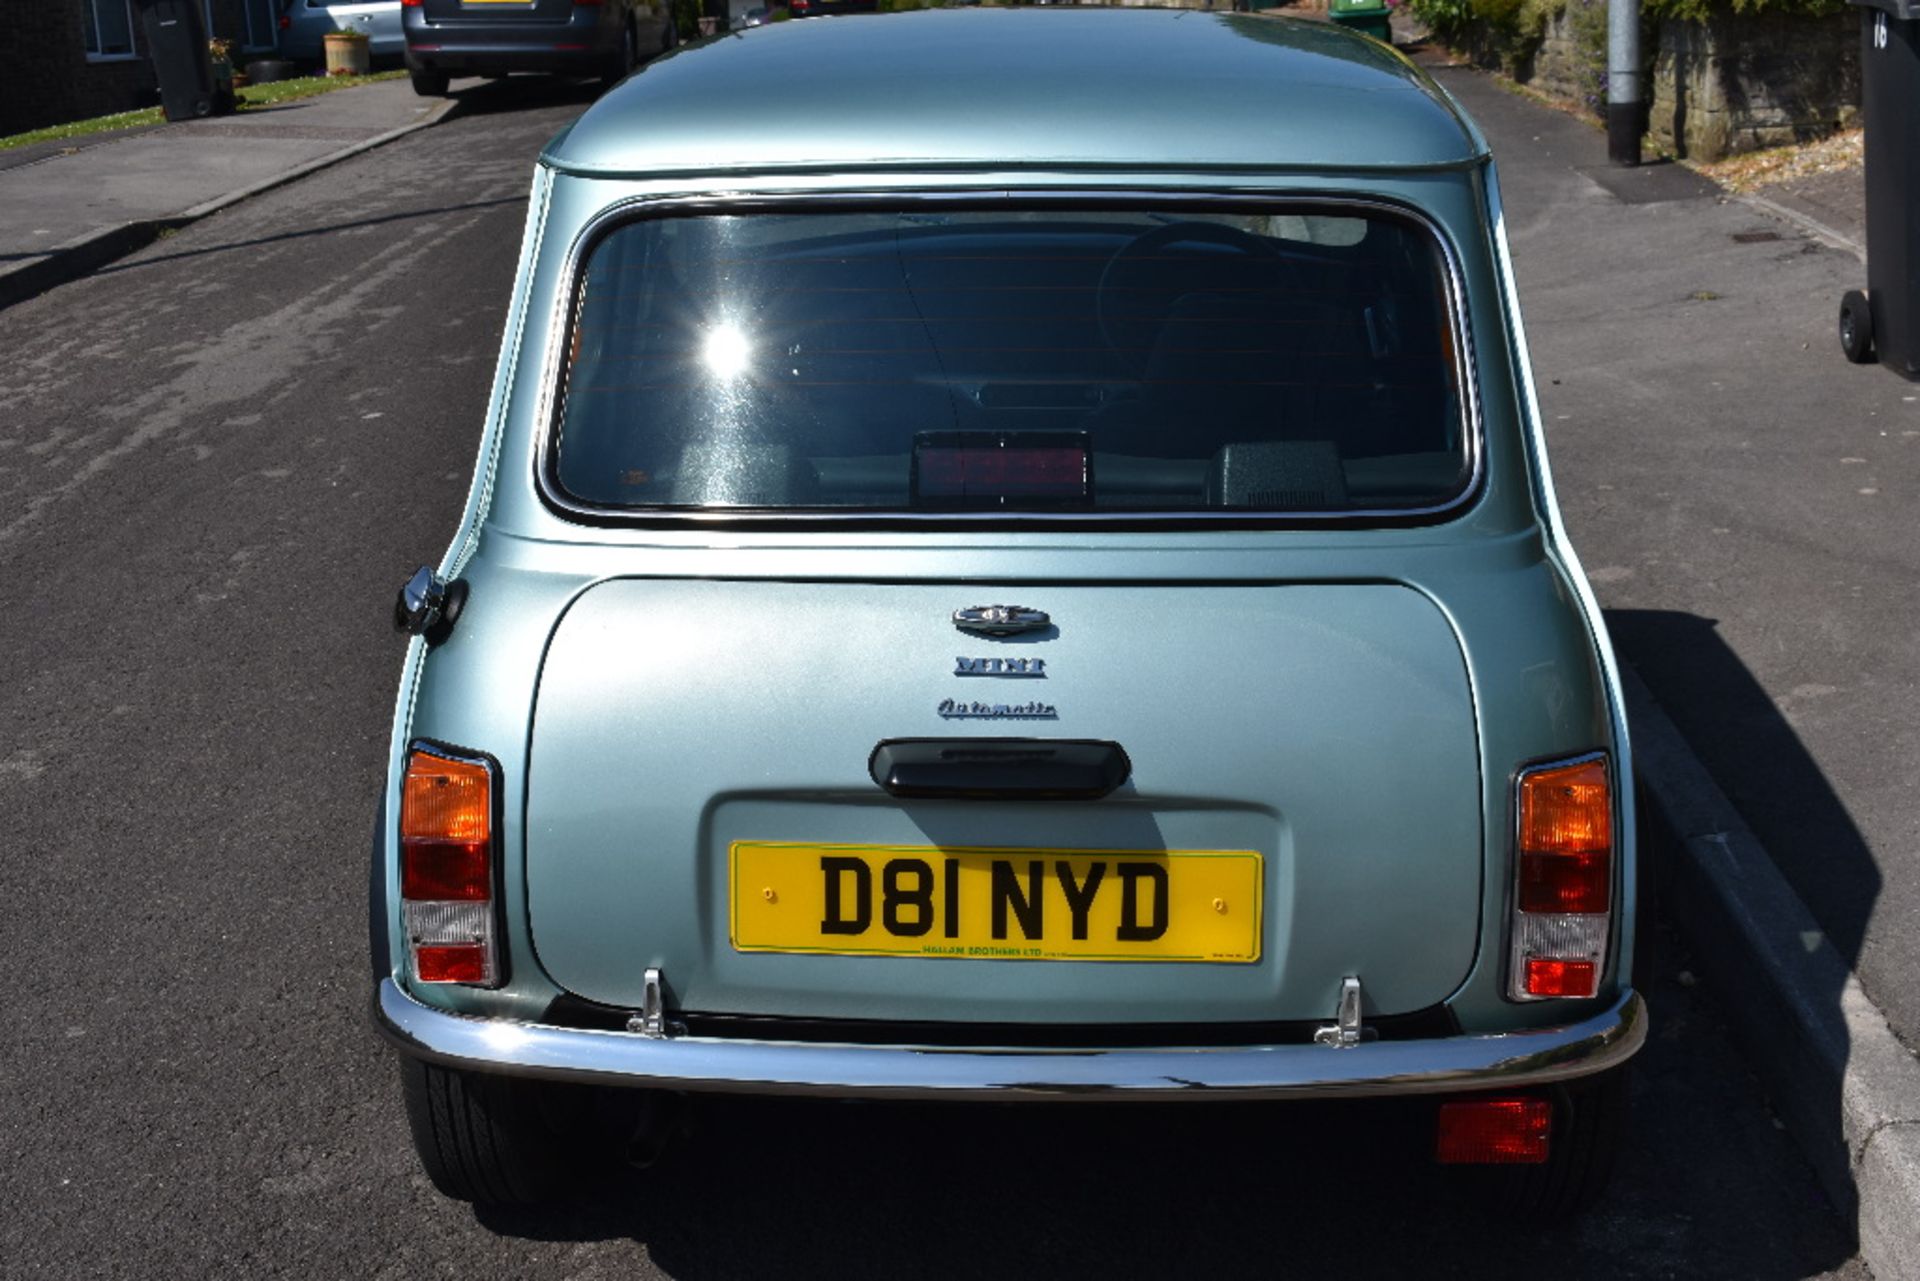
<point>1560,548</point>
<point>1443,1066</point>
<point>547,407</point>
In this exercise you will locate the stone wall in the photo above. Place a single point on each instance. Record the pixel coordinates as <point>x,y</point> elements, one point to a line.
<point>1733,83</point>
<point>1571,62</point>
<point>1559,63</point>
<point>1741,82</point>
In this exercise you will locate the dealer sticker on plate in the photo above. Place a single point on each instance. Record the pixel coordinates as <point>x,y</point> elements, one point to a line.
<point>1015,904</point>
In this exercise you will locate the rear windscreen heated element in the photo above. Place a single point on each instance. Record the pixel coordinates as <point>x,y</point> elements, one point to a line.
<point>1097,362</point>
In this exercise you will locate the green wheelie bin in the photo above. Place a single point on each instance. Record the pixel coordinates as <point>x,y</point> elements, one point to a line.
<point>1368,17</point>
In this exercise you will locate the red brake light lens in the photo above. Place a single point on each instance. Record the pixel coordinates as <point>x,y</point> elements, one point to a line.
<point>983,469</point>
<point>451,963</point>
<point>1494,1132</point>
<point>999,471</point>
<point>1565,882</point>
<point>444,873</point>
<point>1548,977</point>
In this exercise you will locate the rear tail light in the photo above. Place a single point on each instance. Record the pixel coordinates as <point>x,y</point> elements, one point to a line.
<point>412,4</point>
<point>1494,1132</point>
<point>1563,891</point>
<point>447,868</point>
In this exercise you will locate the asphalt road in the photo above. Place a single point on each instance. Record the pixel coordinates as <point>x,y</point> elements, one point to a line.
<point>217,461</point>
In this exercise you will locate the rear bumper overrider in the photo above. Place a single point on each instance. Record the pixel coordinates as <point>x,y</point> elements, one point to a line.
<point>1458,1064</point>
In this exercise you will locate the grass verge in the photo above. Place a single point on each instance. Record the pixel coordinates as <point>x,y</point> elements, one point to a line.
<point>307,87</point>
<point>252,96</point>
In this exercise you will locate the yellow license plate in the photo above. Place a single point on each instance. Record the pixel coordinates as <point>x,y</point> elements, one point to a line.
<point>1013,904</point>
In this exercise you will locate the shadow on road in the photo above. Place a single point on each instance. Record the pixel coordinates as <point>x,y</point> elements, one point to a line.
<point>815,1189</point>
<point>138,264</point>
<point>524,93</point>
<point>1755,756</point>
<point>1774,784</point>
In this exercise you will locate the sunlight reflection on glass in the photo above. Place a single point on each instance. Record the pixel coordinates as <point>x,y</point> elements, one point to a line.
<point>725,351</point>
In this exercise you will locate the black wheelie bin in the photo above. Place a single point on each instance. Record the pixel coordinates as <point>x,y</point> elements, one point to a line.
<point>1885,321</point>
<point>177,42</point>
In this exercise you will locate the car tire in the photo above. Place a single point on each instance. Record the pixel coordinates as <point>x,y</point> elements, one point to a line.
<point>1589,1126</point>
<point>495,1140</point>
<point>271,70</point>
<point>430,84</point>
<point>492,1140</point>
<point>624,64</point>
<point>1856,327</point>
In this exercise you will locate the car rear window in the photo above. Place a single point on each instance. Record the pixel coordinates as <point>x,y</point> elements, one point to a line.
<point>1097,362</point>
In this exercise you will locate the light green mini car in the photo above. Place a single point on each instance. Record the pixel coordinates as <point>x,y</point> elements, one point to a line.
<point>1038,583</point>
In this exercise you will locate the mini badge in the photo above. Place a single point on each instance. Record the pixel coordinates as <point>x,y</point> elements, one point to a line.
<point>1000,620</point>
<point>1027,668</point>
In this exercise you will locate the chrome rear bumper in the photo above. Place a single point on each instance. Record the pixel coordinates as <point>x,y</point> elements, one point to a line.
<point>1447,1065</point>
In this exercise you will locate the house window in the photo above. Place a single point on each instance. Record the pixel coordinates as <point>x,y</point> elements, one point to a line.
<point>262,30</point>
<point>109,26</point>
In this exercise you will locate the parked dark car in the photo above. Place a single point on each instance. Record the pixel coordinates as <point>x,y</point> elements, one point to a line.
<point>827,8</point>
<point>605,38</point>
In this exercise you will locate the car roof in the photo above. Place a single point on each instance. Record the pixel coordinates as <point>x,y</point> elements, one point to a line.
<point>1010,88</point>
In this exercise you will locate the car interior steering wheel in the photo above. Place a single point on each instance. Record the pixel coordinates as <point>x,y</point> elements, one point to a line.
<point>1117,327</point>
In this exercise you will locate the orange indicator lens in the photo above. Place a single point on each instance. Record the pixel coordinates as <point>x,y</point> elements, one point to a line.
<point>1566,839</point>
<point>445,800</point>
<point>1566,810</point>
